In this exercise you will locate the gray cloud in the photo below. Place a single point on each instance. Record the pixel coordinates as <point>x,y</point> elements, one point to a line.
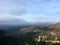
<point>17,12</point>
<point>8,19</point>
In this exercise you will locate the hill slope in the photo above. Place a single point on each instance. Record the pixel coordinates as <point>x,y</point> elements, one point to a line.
<point>35,31</point>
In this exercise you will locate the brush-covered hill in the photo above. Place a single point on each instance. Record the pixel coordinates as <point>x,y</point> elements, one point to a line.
<point>32,32</point>
<point>37,30</point>
<point>56,26</point>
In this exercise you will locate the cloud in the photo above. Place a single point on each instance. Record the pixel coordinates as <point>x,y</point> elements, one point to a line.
<point>17,11</point>
<point>25,11</point>
<point>8,6</point>
<point>43,18</point>
<point>8,19</point>
<point>45,1</point>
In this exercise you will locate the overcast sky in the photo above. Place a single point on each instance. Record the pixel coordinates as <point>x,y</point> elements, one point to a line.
<point>29,11</point>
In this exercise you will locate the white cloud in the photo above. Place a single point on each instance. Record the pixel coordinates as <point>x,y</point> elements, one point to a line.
<point>43,18</point>
<point>17,11</point>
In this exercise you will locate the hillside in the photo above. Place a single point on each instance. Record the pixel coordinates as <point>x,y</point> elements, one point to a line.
<point>35,31</point>
<point>26,33</point>
<point>56,26</point>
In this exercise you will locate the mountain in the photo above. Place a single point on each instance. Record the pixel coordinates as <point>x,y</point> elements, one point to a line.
<point>15,28</point>
<point>55,26</point>
<point>11,28</point>
<point>2,33</point>
<point>28,32</point>
<point>34,31</point>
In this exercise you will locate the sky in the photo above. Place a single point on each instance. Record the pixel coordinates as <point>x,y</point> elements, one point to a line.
<point>29,11</point>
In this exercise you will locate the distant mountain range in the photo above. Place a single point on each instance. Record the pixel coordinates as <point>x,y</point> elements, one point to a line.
<point>14,28</point>
<point>30,28</point>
